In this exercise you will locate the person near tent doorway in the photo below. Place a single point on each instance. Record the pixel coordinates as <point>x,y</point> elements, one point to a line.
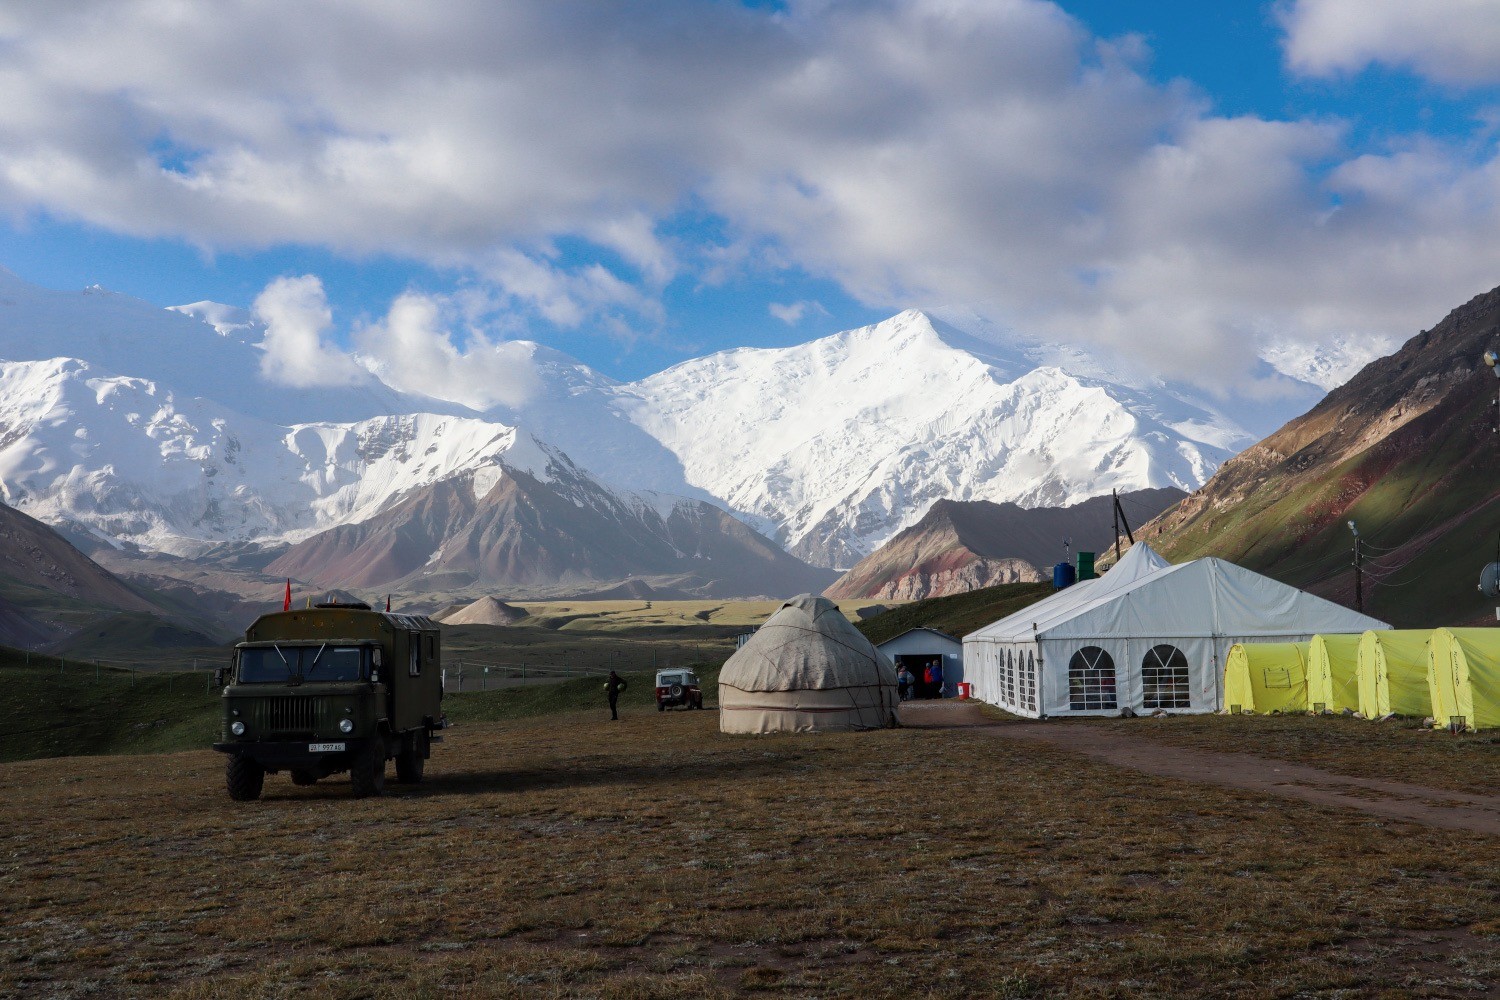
<point>904,682</point>
<point>612,688</point>
<point>935,668</point>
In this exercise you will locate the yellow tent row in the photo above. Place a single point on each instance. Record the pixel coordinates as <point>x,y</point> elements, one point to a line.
<point>1453,675</point>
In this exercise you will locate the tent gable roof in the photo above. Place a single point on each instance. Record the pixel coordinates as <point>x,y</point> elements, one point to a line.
<point>1201,597</point>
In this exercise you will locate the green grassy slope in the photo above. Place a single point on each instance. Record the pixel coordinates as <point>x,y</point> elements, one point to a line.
<point>956,614</point>
<point>77,709</point>
<point>1426,499</point>
<point>585,694</point>
<point>1406,449</point>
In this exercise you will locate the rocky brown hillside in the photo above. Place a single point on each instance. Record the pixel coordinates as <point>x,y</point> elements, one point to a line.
<point>961,546</point>
<point>1407,449</point>
<point>527,535</point>
<point>34,555</point>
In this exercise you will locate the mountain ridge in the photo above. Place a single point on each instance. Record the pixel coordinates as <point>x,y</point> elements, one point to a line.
<point>960,546</point>
<point>1406,449</point>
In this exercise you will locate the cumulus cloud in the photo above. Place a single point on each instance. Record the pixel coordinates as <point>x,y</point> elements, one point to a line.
<point>1451,41</point>
<point>296,317</point>
<point>412,350</point>
<point>567,154</point>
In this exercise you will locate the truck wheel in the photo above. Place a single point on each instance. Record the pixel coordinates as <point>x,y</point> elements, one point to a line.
<point>367,774</point>
<point>300,777</point>
<point>410,763</point>
<point>661,706</point>
<point>244,777</point>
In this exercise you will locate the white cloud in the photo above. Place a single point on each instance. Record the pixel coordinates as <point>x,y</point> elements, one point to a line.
<point>1451,41</point>
<point>412,350</point>
<point>296,316</point>
<point>791,313</point>
<point>577,157</point>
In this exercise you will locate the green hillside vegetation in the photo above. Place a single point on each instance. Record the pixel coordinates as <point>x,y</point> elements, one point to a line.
<point>143,642</point>
<point>956,614</point>
<point>72,708</point>
<point>1428,513</point>
<point>583,694</point>
<point>619,648</point>
<point>78,709</point>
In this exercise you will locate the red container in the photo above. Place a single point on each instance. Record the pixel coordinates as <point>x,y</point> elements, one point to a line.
<point>965,689</point>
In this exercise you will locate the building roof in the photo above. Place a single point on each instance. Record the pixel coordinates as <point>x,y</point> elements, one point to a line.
<point>920,628</point>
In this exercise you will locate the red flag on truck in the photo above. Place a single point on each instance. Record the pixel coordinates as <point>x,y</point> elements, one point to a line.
<point>286,602</point>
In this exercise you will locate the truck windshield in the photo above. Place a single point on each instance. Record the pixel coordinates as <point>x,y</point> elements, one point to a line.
<point>281,663</point>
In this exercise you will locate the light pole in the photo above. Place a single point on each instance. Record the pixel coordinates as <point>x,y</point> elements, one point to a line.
<point>1359,572</point>
<point>1492,359</point>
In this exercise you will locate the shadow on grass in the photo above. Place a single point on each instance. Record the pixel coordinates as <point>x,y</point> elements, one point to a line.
<point>629,775</point>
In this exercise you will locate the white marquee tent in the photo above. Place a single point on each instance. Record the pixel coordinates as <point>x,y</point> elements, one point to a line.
<point>1147,635</point>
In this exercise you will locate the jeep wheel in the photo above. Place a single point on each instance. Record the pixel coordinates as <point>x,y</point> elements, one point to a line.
<point>300,777</point>
<point>410,763</point>
<point>244,777</point>
<point>367,774</point>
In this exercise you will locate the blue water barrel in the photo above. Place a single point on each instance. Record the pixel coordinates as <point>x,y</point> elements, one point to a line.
<point>1062,576</point>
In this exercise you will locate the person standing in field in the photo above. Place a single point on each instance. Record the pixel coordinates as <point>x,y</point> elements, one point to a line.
<point>612,688</point>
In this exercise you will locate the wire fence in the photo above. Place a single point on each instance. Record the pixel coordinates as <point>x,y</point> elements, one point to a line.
<point>460,674</point>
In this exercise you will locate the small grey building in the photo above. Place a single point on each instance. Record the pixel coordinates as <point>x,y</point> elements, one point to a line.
<point>916,647</point>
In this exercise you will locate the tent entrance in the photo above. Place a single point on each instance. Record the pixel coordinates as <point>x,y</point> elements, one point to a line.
<point>917,664</point>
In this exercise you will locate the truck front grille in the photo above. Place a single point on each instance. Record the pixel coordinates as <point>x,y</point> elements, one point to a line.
<point>290,715</point>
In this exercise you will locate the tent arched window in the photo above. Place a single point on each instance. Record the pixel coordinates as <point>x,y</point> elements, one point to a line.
<point>1028,690</point>
<point>1010,677</point>
<point>1164,678</point>
<point>1091,680</point>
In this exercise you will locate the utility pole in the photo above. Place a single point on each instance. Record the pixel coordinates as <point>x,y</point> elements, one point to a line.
<point>1359,571</point>
<point>1115,495</point>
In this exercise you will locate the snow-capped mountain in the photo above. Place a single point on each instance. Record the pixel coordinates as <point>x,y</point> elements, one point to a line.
<point>129,460</point>
<point>836,445</point>
<point>159,428</point>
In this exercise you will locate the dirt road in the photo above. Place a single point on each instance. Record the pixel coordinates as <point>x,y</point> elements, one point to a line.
<point>1389,799</point>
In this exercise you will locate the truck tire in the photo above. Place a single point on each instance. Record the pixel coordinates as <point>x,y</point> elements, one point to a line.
<point>411,761</point>
<point>367,774</point>
<point>244,778</point>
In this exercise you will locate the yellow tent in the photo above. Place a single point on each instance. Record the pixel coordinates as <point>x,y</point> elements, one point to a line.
<point>1463,676</point>
<point>1393,673</point>
<point>1266,677</point>
<point>1333,672</point>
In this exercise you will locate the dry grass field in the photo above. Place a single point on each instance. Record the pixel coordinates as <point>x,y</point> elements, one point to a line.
<point>613,615</point>
<point>564,855</point>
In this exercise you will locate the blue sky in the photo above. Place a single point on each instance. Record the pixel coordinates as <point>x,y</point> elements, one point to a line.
<point>1173,179</point>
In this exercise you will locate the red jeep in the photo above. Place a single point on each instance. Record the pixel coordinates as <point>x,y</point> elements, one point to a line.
<point>677,687</point>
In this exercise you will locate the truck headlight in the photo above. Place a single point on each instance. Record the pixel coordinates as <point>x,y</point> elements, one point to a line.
<point>237,728</point>
<point>346,725</point>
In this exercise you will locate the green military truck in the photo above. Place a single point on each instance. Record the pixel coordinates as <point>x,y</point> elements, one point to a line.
<point>335,687</point>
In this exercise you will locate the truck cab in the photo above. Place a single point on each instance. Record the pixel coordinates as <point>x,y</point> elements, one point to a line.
<point>333,688</point>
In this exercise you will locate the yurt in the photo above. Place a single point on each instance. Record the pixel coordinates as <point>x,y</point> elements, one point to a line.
<point>1463,677</point>
<point>1146,636</point>
<point>1333,672</point>
<point>1393,673</point>
<point>1266,677</point>
<point>807,669</point>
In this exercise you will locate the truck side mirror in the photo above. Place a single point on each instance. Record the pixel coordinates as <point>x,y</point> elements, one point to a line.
<point>220,675</point>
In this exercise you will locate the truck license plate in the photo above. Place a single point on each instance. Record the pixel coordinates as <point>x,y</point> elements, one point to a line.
<point>325,747</point>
